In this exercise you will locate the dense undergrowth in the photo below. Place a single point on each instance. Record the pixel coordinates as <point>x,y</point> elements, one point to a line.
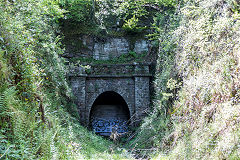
<point>196,108</point>
<point>206,111</point>
<point>34,94</point>
<point>157,126</point>
<point>195,112</point>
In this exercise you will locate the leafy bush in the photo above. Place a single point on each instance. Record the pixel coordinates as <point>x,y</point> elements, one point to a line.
<point>207,58</point>
<point>157,126</point>
<point>34,94</point>
<point>78,10</point>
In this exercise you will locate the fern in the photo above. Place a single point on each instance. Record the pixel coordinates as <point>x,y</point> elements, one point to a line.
<point>6,98</point>
<point>3,138</point>
<point>2,103</point>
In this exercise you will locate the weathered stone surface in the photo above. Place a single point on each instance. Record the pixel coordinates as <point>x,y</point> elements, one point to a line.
<point>111,48</point>
<point>112,70</point>
<point>78,88</point>
<point>122,86</point>
<point>78,46</point>
<point>141,46</point>
<point>102,49</point>
<point>134,89</point>
<point>142,97</point>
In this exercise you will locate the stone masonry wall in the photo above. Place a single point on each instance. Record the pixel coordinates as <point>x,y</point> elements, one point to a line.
<point>122,86</point>
<point>102,49</point>
<point>142,97</point>
<point>78,88</point>
<point>131,81</point>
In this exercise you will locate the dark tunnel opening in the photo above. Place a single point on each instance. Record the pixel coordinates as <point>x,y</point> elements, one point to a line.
<point>109,114</point>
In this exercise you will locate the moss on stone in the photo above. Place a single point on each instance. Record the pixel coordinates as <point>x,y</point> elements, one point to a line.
<point>126,58</point>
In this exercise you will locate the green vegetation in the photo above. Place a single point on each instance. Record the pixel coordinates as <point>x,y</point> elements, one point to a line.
<point>195,112</point>
<point>125,58</point>
<point>196,108</point>
<point>79,10</point>
<point>34,94</point>
<point>152,136</point>
<point>207,106</point>
<point>103,15</point>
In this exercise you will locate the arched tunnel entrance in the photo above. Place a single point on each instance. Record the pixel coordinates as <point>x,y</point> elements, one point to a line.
<point>109,113</point>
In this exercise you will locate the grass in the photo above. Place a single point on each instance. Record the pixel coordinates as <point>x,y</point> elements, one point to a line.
<point>206,110</point>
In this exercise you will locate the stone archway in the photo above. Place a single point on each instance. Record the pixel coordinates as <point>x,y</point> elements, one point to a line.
<point>109,113</point>
<point>130,81</point>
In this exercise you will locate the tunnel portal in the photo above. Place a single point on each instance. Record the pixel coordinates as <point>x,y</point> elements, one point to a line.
<point>109,114</point>
<point>108,95</point>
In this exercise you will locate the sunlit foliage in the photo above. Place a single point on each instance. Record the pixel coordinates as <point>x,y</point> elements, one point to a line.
<point>35,106</point>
